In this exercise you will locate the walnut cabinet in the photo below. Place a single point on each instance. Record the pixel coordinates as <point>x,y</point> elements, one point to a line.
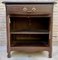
<point>29,26</point>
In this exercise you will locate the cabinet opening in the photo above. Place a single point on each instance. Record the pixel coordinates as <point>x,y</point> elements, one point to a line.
<point>29,31</point>
<point>29,40</point>
<point>35,24</point>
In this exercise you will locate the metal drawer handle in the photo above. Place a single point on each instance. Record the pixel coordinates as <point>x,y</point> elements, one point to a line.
<point>34,9</point>
<point>25,9</point>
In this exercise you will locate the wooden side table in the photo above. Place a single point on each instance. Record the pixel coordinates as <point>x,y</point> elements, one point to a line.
<point>29,26</point>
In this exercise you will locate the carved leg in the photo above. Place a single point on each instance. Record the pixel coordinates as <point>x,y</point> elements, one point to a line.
<point>50,54</point>
<point>9,53</point>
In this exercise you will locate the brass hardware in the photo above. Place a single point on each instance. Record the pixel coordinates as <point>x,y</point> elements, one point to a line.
<point>24,9</point>
<point>33,9</point>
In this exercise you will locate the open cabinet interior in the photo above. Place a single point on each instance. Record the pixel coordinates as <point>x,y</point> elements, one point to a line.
<point>29,40</point>
<point>29,31</point>
<point>29,24</point>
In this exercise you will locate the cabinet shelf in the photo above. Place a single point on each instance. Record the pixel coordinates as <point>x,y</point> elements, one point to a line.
<point>29,32</point>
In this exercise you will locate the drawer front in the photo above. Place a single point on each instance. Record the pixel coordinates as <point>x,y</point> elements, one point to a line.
<point>29,9</point>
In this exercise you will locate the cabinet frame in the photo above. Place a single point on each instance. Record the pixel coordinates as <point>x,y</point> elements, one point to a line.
<point>9,48</point>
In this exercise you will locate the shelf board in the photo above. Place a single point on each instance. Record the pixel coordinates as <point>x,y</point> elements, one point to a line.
<point>29,32</point>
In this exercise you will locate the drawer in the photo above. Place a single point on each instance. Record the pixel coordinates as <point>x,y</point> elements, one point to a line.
<point>29,9</point>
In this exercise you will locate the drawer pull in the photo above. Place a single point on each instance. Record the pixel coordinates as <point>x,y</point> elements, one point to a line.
<point>34,9</point>
<point>24,9</point>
